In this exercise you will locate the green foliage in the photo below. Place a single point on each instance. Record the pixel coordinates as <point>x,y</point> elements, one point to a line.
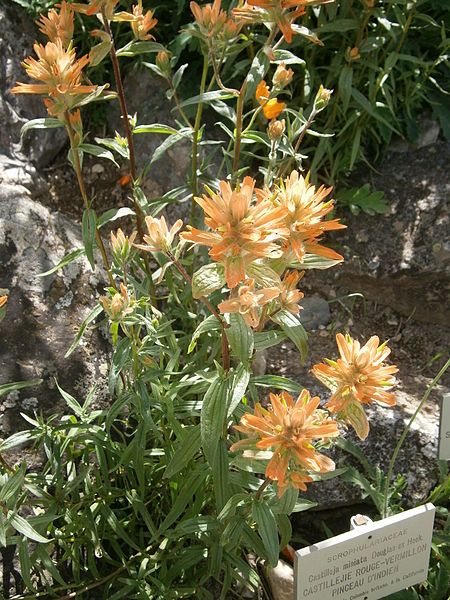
<point>362,199</point>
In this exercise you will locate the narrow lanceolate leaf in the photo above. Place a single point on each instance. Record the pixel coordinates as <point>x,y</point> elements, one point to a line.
<point>186,450</point>
<point>209,324</point>
<point>238,387</point>
<point>207,98</point>
<point>267,339</point>
<point>113,214</point>
<point>258,70</point>
<point>155,128</point>
<point>16,439</point>
<point>141,47</point>
<point>267,529</point>
<point>292,327</point>
<point>91,317</point>
<point>40,124</point>
<point>89,226</point>
<point>7,388</point>
<point>69,258</point>
<point>208,279</point>
<point>221,471</point>
<point>212,418</point>
<point>97,151</point>
<point>26,529</point>
<point>70,400</point>
<point>240,338</point>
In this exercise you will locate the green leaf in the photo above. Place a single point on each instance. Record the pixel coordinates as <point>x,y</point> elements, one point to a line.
<point>208,279</point>
<point>292,327</point>
<point>7,388</point>
<point>264,275</point>
<point>207,98</point>
<point>240,337</point>
<point>267,339</point>
<point>47,123</point>
<point>97,151</point>
<point>345,86</point>
<point>238,387</point>
<point>139,47</point>
<point>209,324</point>
<point>279,382</point>
<point>91,317</point>
<point>25,563</point>
<point>12,485</point>
<point>16,439</point>
<point>287,57</point>
<point>187,491</point>
<point>303,504</point>
<point>70,401</point>
<point>26,529</point>
<point>69,258</point>
<point>113,214</point>
<point>258,69</point>
<point>286,504</point>
<point>155,128</point>
<point>267,529</point>
<point>220,473</point>
<point>356,144</point>
<point>89,227</point>
<point>314,261</point>
<point>212,417</point>
<point>186,450</point>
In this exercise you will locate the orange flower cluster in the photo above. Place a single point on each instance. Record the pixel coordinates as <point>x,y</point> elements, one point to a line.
<point>271,106</point>
<point>212,21</point>
<point>358,377</point>
<point>58,25</point>
<point>306,208</point>
<point>278,12</point>
<point>140,23</point>
<point>60,75</point>
<point>96,7</point>
<point>119,306</point>
<point>160,237</point>
<point>291,430</point>
<point>249,301</point>
<point>245,224</point>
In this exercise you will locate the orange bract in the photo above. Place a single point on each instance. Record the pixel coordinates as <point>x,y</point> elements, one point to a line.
<point>249,301</point>
<point>160,237</point>
<point>271,106</point>
<point>245,226</point>
<point>358,377</point>
<point>58,25</point>
<point>276,11</point>
<point>60,74</point>
<point>289,429</point>
<point>142,23</point>
<point>306,211</point>
<point>3,300</point>
<point>212,20</point>
<point>94,7</point>
<point>290,296</point>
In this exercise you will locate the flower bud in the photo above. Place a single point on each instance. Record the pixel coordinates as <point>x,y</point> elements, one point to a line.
<point>322,98</point>
<point>119,306</point>
<point>276,129</point>
<point>121,244</point>
<point>282,76</point>
<point>353,53</point>
<point>163,62</point>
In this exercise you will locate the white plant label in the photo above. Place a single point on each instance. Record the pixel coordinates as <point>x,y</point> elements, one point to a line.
<point>444,429</point>
<point>370,562</point>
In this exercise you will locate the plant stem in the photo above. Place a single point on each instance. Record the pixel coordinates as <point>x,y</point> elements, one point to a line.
<point>405,433</point>
<point>197,124</point>
<point>307,125</point>
<point>239,120</point>
<point>262,487</point>
<point>77,167</point>
<point>128,134</point>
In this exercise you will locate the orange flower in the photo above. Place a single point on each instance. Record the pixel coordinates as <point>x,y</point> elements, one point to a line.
<point>159,238</point>
<point>60,74</point>
<point>276,11</point>
<point>289,429</point>
<point>58,26</point>
<point>249,301</point>
<point>290,296</point>
<point>119,306</point>
<point>358,377</point>
<point>213,21</point>
<point>306,210</point>
<point>94,7</point>
<point>121,244</point>
<point>271,107</point>
<point>140,23</point>
<point>282,76</point>
<point>245,226</point>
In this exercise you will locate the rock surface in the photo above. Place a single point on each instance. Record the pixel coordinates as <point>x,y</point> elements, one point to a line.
<point>17,35</point>
<point>281,581</point>
<point>43,313</point>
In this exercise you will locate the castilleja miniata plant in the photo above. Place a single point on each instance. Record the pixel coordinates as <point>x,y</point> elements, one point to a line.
<point>197,462</point>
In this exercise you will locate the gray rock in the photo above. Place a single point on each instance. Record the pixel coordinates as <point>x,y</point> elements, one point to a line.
<point>315,313</point>
<point>17,35</point>
<point>43,313</point>
<point>281,581</point>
